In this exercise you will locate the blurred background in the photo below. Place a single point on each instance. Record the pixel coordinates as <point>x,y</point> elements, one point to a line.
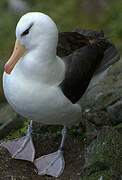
<point>67,14</point>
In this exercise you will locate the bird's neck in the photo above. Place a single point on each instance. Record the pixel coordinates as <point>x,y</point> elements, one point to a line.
<point>42,63</point>
<point>45,52</point>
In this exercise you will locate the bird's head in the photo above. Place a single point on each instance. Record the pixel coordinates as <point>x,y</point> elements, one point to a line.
<point>33,29</point>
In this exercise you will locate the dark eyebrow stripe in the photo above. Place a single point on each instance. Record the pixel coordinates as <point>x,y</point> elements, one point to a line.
<point>30,26</point>
<point>24,33</point>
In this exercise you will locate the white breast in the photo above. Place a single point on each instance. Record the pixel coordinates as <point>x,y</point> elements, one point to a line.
<point>38,101</point>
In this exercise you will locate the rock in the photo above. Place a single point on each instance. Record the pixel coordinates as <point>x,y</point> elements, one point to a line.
<point>106,175</point>
<point>99,118</point>
<point>104,155</point>
<point>91,132</point>
<point>9,120</point>
<point>6,113</point>
<point>115,113</point>
<point>2,97</point>
<point>119,128</point>
<point>105,91</point>
<point>18,6</point>
<point>104,94</point>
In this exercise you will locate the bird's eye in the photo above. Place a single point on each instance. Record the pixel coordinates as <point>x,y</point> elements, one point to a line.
<point>27,30</point>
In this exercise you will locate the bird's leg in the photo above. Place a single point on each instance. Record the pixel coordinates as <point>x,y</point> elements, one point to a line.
<point>26,140</point>
<point>64,132</point>
<point>22,148</point>
<point>52,164</point>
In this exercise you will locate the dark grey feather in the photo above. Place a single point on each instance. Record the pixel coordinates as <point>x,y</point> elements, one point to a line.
<point>84,53</point>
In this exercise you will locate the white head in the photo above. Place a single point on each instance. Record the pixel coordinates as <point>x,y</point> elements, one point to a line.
<point>33,30</point>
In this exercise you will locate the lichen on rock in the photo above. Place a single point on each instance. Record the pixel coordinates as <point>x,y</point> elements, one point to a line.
<point>105,154</point>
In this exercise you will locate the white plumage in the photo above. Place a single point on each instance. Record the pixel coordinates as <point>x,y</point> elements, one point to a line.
<point>32,87</point>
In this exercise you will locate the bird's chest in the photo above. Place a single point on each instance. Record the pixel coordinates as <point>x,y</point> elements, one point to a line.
<point>27,93</point>
<point>33,100</point>
<point>40,102</point>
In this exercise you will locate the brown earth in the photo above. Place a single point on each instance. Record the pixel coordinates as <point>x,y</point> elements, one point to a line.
<point>44,143</point>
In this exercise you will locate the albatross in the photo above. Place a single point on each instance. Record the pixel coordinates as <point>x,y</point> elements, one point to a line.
<point>46,78</point>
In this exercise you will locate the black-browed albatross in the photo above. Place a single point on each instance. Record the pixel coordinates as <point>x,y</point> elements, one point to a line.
<point>46,77</point>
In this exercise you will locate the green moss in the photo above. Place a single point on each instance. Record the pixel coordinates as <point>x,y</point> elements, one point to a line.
<point>119,128</point>
<point>38,128</point>
<point>106,175</point>
<point>107,150</point>
<point>74,131</point>
<point>18,132</point>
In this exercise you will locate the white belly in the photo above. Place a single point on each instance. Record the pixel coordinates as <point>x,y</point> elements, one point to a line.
<point>39,102</point>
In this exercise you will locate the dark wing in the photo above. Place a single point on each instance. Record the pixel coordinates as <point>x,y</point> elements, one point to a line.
<point>69,42</point>
<point>111,56</point>
<point>82,53</point>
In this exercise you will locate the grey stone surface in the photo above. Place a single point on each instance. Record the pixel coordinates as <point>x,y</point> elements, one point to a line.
<point>2,97</point>
<point>115,112</point>
<point>9,120</point>
<point>6,113</point>
<point>10,125</point>
<point>103,97</point>
<point>91,132</point>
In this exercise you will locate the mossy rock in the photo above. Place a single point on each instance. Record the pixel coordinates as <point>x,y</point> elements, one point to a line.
<point>6,113</point>
<point>104,175</point>
<point>105,153</point>
<point>119,128</point>
<point>107,91</point>
<point>2,97</point>
<point>115,113</point>
<point>103,95</point>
